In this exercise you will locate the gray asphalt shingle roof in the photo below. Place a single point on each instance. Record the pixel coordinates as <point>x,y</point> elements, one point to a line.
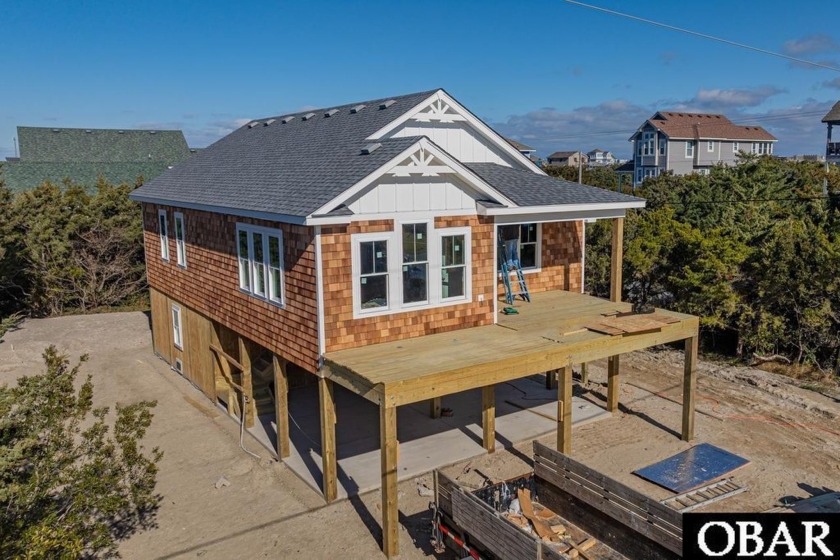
<point>290,168</point>
<point>834,114</point>
<point>72,145</point>
<point>526,188</point>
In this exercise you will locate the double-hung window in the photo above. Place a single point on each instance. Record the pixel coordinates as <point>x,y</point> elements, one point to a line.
<point>662,146</point>
<point>453,266</point>
<point>528,246</point>
<point>415,268</point>
<point>735,147</point>
<point>373,274</point>
<point>710,145</point>
<point>648,144</point>
<point>180,244</point>
<point>177,336</point>
<point>163,230</point>
<point>260,252</point>
<point>689,148</point>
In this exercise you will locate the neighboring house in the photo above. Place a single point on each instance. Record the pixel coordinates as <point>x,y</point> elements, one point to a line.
<point>571,159</point>
<point>524,149</point>
<point>346,245</point>
<point>832,148</point>
<point>600,158</point>
<point>83,155</point>
<point>685,143</point>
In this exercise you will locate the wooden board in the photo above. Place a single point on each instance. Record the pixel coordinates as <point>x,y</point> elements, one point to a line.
<point>498,535</point>
<point>640,513</point>
<point>623,324</point>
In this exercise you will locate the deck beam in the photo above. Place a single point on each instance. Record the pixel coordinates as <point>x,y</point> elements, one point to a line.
<point>328,455</point>
<point>564,410</point>
<point>689,387</point>
<point>388,447</point>
<point>281,405</point>
<point>488,417</point>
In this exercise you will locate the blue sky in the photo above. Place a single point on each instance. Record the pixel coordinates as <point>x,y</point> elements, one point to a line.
<point>551,74</point>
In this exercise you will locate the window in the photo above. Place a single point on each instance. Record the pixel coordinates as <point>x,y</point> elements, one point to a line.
<point>639,175</point>
<point>769,148</point>
<point>754,149</point>
<point>177,337</point>
<point>736,147</point>
<point>647,148</point>
<point>373,279</point>
<point>710,146</point>
<point>528,246</point>
<point>453,266</point>
<point>414,266</point>
<point>689,149</point>
<point>638,147</point>
<point>180,245</point>
<point>415,269</point>
<point>662,144</point>
<point>260,253</point>
<point>163,229</point>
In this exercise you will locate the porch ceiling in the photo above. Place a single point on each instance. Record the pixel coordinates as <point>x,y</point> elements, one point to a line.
<point>547,334</point>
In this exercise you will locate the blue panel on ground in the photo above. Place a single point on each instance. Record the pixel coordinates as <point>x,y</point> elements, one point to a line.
<point>692,468</point>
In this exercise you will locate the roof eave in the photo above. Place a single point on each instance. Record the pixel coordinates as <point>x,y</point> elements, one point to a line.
<point>243,213</point>
<point>560,208</point>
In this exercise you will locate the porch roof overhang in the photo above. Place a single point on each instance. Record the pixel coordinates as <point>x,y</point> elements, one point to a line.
<point>547,336</point>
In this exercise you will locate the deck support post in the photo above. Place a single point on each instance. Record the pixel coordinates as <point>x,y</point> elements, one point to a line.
<point>389,450</point>
<point>616,260</point>
<point>564,411</point>
<point>488,417</point>
<point>612,383</point>
<point>328,456</point>
<point>689,387</point>
<point>551,379</point>
<point>281,405</point>
<point>247,381</point>
<point>434,407</point>
<point>584,373</point>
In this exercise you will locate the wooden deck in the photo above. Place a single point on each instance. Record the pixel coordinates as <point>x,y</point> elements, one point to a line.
<point>547,334</point>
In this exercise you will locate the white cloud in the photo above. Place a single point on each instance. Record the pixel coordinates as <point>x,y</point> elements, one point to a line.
<point>810,44</point>
<point>722,100</point>
<point>833,84</point>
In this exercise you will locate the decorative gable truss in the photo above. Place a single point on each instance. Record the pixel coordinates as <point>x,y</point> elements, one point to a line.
<point>424,178</point>
<point>460,133</point>
<point>423,163</point>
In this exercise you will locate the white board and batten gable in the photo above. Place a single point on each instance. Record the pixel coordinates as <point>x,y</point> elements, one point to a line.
<point>452,127</point>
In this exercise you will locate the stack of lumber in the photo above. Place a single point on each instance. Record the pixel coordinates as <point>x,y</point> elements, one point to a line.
<point>622,324</point>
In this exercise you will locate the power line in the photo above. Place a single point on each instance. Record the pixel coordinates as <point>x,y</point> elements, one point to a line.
<point>704,35</point>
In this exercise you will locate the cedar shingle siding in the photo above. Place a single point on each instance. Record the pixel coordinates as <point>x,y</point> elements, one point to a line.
<point>210,283</point>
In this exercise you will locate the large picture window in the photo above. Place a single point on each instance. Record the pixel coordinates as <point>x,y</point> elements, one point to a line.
<point>415,268</point>
<point>260,252</point>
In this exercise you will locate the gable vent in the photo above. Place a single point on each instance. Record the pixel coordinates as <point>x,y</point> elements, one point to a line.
<point>307,116</point>
<point>253,124</point>
<point>386,104</point>
<point>331,112</point>
<point>287,119</point>
<point>357,108</point>
<point>268,122</point>
<point>370,148</point>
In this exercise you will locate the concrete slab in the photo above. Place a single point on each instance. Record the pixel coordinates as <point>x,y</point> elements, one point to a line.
<point>425,443</point>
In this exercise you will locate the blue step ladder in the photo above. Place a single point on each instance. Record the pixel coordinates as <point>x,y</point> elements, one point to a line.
<point>509,262</point>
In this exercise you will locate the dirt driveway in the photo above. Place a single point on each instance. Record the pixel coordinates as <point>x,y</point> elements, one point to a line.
<point>791,436</point>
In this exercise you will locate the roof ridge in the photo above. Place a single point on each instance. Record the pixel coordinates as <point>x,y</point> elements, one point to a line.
<point>86,128</point>
<point>345,105</point>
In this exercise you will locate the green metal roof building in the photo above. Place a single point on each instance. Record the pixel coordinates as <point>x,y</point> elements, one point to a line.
<point>84,155</point>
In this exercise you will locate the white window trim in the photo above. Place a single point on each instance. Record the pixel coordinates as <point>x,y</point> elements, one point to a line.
<point>269,296</point>
<point>163,233</point>
<point>736,147</point>
<point>689,144</point>
<point>710,145</point>
<point>177,333</point>
<point>395,295</point>
<point>180,242</point>
<point>663,146</point>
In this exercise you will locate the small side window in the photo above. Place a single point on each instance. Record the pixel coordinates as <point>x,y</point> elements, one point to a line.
<point>177,337</point>
<point>180,244</point>
<point>163,230</point>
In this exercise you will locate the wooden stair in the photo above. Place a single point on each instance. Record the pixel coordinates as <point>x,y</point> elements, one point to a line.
<point>262,378</point>
<point>704,495</point>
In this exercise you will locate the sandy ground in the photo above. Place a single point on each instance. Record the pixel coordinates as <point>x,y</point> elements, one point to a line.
<point>790,435</point>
